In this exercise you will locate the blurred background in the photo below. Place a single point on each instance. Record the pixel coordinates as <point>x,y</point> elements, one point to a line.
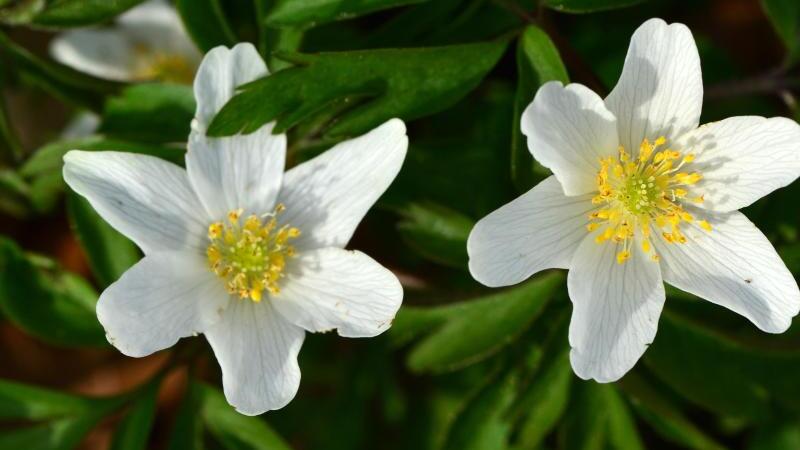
<point>463,367</point>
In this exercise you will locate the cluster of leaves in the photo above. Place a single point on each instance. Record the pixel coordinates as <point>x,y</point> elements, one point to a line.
<point>462,367</point>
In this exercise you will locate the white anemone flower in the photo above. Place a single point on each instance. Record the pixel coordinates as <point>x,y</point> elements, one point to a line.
<point>239,251</point>
<point>146,43</point>
<point>640,196</point>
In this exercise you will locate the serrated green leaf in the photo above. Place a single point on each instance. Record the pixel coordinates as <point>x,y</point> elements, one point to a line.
<point>588,6</point>
<point>151,112</point>
<point>205,22</point>
<point>53,305</point>
<point>134,430</point>
<point>77,13</point>
<point>663,416</point>
<point>484,328</point>
<point>236,431</point>
<point>482,423</point>
<point>538,62</point>
<point>109,253</point>
<point>436,233</point>
<point>404,83</point>
<point>314,12</point>
<point>784,15</point>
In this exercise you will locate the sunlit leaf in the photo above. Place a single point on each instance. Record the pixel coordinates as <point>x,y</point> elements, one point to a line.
<point>300,12</point>
<point>483,326</point>
<point>405,83</point>
<point>588,6</point>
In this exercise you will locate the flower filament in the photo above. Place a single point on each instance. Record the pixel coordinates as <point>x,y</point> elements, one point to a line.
<point>644,193</point>
<point>250,255</point>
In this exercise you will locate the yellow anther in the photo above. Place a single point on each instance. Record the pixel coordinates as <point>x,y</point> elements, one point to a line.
<point>704,225</point>
<point>646,246</point>
<point>623,256</point>
<point>234,215</point>
<point>688,158</point>
<point>215,230</point>
<point>661,140</point>
<point>592,226</point>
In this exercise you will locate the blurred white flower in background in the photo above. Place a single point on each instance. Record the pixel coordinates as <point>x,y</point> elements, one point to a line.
<point>641,196</point>
<point>147,43</point>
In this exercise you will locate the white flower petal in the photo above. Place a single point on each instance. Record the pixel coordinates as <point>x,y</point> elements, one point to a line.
<point>743,159</point>
<point>660,91</point>
<point>145,198</point>
<point>108,54</point>
<point>615,309</point>
<point>257,351</point>
<point>569,129</point>
<point>221,72</point>
<point>343,289</point>
<point>328,196</point>
<point>157,25</point>
<point>164,297</point>
<point>243,171</point>
<point>734,266</point>
<point>539,230</point>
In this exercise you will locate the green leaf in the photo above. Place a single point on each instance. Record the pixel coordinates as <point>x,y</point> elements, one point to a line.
<point>721,373</point>
<point>588,6</point>
<point>784,15</point>
<point>405,83</point>
<point>63,434</point>
<point>109,253</point>
<point>779,435</point>
<point>206,23</point>
<point>187,429</point>
<point>622,433</point>
<point>20,11</point>
<point>151,112</point>
<point>133,432</point>
<point>314,12</point>
<point>437,233</point>
<point>235,431</point>
<point>663,416</point>
<point>23,401</point>
<point>538,62</point>
<point>482,422</point>
<point>585,427</point>
<point>53,305</point>
<point>60,81</point>
<point>483,326</point>
<point>546,400</point>
<point>77,13</point>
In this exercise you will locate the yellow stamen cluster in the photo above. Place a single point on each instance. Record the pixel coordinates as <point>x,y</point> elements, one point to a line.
<point>152,65</point>
<point>642,193</point>
<point>250,255</point>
